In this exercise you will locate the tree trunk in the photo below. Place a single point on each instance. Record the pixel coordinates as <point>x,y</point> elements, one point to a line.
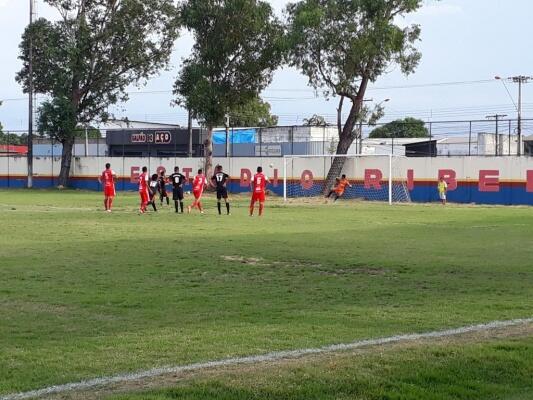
<point>347,135</point>
<point>208,151</point>
<point>66,160</point>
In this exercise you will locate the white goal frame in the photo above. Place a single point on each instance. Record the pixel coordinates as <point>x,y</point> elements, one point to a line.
<point>390,157</point>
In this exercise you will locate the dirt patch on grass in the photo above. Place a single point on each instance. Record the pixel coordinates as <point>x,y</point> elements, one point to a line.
<point>245,260</point>
<point>233,371</point>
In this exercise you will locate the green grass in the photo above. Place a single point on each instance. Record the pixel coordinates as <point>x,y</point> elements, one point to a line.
<point>473,371</point>
<point>84,293</point>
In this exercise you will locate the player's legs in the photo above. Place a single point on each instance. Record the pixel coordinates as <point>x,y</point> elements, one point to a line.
<point>261,203</point>
<point>227,205</point>
<point>219,199</point>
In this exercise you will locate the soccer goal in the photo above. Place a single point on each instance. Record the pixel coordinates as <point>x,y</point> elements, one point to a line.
<point>372,177</point>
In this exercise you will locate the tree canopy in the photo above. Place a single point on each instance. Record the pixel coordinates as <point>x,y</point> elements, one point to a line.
<point>85,61</point>
<point>315,120</point>
<point>238,45</point>
<point>345,46</point>
<point>401,128</point>
<point>253,113</point>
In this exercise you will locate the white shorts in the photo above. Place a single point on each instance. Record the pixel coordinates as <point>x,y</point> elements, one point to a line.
<point>442,196</point>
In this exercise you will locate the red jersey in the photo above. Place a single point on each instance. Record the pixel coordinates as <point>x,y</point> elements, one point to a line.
<point>199,183</point>
<point>143,182</point>
<point>108,178</point>
<point>259,183</point>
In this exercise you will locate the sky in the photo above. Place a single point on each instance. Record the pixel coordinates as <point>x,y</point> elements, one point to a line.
<point>464,42</point>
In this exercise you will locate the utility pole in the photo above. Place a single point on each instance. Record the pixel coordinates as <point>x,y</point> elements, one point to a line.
<point>30,105</point>
<point>496,117</point>
<point>520,79</point>
<point>189,129</point>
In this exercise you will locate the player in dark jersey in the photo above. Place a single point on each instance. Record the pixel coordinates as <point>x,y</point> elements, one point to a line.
<point>219,181</point>
<point>163,188</point>
<point>153,188</point>
<point>177,180</point>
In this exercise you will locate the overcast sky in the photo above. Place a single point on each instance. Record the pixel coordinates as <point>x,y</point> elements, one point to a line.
<point>462,41</point>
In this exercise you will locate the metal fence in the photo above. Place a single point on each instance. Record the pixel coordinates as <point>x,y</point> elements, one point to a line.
<point>452,138</point>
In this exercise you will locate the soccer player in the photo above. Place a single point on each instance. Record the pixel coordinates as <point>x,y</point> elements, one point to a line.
<point>107,180</point>
<point>340,187</point>
<point>443,190</point>
<point>258,185</point>
<point>143,190</point>
<point>163,188</point>
<point>177,180</point>
<point>198,186</point>
<point>219,181</point>
<point>154,189</point>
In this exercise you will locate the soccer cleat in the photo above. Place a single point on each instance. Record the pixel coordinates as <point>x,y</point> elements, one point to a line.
<point>108,211</point>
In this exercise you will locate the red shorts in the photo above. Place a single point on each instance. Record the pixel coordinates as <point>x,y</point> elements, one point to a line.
<point>258,196</point>
<point>109,191</point>
<point>145,197</point>
<point>197,193</point>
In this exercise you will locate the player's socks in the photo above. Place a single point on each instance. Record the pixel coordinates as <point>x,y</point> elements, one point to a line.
<point>105,204</point>
<point>176,206</point>
<point>168,201</point>
<point>153,205</point>
<point>219,208</point>
<point>261,206</point>
<point>181,206</point>
<point>110,203</point>
<point>227,207</point>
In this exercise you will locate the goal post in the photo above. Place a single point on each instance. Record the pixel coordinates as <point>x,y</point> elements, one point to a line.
<point>378,177</point>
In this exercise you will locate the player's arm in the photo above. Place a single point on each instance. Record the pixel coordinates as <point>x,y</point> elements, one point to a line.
<point>100,179</point>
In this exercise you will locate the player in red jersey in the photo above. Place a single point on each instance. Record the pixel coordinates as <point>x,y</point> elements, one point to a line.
<point>143,189</point>
<point>198,186</point>
<point>107,180</point>
<point>258,185</point>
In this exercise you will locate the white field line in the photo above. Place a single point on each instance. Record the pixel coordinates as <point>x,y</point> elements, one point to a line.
<point>274,356</point>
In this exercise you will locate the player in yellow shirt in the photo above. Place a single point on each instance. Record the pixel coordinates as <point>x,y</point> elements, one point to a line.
<point>443,189</point>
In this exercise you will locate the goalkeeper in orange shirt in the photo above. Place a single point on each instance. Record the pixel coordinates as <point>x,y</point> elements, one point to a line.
<point>339,188</point>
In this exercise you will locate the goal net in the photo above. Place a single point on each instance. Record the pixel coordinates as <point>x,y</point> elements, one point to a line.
<point>372,177</point>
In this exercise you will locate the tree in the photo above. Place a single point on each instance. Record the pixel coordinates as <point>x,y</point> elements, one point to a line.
<point>238,45</point>
<point>85,61</point>
<point>343,46</point>
<point>401,128</point>
<point>315,120</point>
<point>254,113</point>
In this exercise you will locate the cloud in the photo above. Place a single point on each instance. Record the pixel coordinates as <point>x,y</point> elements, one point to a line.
<point>440,10</point>
<point>3,3</point>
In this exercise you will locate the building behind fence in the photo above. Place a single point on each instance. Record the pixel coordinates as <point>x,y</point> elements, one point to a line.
<point>450,138</point>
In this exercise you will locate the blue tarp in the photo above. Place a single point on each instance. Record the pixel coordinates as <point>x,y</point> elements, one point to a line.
<point>236,136</point>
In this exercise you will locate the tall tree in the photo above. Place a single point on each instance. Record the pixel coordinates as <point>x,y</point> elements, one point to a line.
<point>85,61</point>
<point>254,113</point>
<point>238,45</point>
<point>344,46</point>
<point>401,128</point>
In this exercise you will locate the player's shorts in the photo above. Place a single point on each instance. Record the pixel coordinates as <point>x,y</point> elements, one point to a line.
<point>339,193</point>
<point>109,191</point>
<point>442,196</point>
<point>260,197</point>
<point>145,197</point>
<point>163,191</point>
<point>222,193</point>
<point>177,194</point>
<point>197,193</point>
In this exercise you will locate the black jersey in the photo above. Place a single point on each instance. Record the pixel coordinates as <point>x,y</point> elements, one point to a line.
<point>220,179</point>
<point>177,179</point>
<point>162,182</point>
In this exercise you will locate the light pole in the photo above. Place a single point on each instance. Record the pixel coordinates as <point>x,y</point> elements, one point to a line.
<point>29,156</point>
<point>520,79</point>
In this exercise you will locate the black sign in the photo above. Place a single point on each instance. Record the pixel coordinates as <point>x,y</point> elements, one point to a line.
<point>139,137</point>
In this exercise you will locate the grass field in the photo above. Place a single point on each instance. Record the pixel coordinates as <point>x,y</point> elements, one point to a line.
<point>85,294</point>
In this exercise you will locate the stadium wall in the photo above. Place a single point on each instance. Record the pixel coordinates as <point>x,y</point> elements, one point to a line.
<point>505,180</point>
